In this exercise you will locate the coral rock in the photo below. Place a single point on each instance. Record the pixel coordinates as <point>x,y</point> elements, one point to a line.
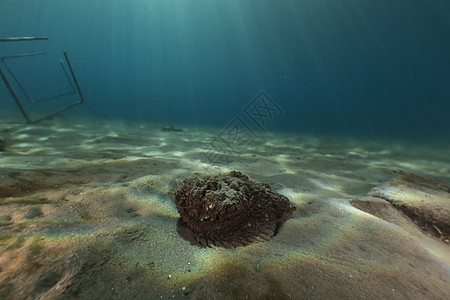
<point>230,211</point>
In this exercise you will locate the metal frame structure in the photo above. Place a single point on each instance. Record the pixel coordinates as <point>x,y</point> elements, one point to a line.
<point>70,75</point>
<point>24,92</point>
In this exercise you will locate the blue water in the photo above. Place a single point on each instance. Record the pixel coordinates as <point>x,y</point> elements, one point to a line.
<point>350,67</point>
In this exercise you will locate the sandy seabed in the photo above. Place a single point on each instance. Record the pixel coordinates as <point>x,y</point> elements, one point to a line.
<point>87,211</point>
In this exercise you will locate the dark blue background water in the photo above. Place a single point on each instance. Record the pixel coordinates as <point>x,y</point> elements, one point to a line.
<point>358,67</point>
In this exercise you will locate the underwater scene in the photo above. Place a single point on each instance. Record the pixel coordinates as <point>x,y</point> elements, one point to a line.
<point>225,149</point>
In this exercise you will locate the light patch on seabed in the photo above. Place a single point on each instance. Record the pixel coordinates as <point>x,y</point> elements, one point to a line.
<point>437,249</point>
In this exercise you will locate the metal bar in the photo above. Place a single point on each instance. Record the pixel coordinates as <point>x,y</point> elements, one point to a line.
<point>13,94</point>
<point>16,80</point>
<point>55,113</point>
<point>67,75</point>
<point>22,55</point>
<point>52,97</point>
<point>74,78</point>
<point>24,38</point>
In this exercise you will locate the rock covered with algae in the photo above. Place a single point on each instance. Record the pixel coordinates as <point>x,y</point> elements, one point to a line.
<point>231,210</point>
